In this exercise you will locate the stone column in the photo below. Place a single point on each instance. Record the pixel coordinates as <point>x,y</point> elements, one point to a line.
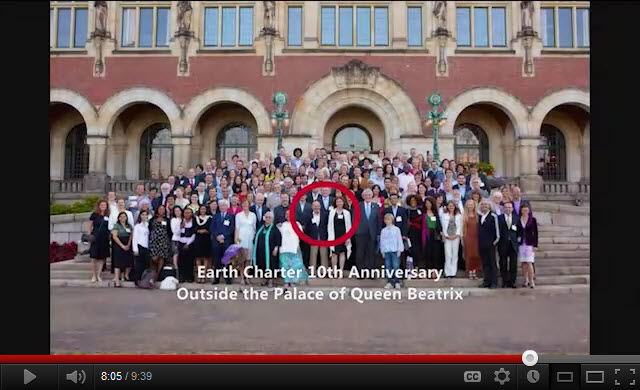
<point>585,153</point>
<point>508,161</point>
<point>398,12</point>
<point>181,151</point>
<point>310,17</point>
<point>530,181</point>
<point>97,179</point>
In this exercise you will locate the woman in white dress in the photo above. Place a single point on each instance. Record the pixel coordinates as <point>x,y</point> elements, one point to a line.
<point>244,235</point>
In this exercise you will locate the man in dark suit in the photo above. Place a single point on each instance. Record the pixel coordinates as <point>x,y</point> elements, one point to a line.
<point>488,237</point>
<point>325,199</point>
<point>313,195</point>
<point>508,245</point>
<point>161,199</point>
<point>199,174</point>
<point>366,236</point>
<point>280,211</point>
<point>281,159</point>
<point>259,209</point>
<point>317,230</point>
<point>222,236</point>
<point>180,177</point>
<point>473,169</point>
<point>303,216</point>
<point>189,180</point>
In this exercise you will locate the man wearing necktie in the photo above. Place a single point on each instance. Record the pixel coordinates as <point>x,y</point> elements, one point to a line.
<point>303,215</point>
<point>222,235</point>
<point>367,233</point>
<point>259,209</point>
<point>508,245</point>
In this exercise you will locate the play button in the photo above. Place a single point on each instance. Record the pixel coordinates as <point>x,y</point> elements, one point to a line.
<point>28,376</point>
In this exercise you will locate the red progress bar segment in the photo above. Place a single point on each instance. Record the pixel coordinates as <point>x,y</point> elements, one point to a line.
<point>66,359</point>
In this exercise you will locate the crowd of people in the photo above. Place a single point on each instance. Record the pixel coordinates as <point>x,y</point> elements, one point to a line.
<point>415,213</point>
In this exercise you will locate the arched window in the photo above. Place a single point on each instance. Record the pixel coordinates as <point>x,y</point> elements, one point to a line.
<point>471,144</point>
<point>156,152</point>
<point>76,158</point>
<point>236,138</point>
<point>552,154</point>
<point>351,138</point>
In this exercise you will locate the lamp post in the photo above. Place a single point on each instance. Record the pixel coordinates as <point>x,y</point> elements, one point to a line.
<point>436,119</point>
<point>279,116</point>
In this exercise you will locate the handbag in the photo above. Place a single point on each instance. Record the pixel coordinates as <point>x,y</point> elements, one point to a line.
<point>88,238</point>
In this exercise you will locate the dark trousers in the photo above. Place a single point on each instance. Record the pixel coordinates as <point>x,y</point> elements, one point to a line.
<point>365,255</point>
<point>306,253</point>
<point>487,255</point>
<point>185,264</point>
<point>218,253</point>
<point>508,266</point>
<point>140,263</point>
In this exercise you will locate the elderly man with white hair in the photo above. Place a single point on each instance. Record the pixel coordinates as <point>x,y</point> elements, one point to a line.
<point>259,209</point>
<point>165,191</point>
<point>222,232</point>
<point>488,237</point>
<point>367,233</point>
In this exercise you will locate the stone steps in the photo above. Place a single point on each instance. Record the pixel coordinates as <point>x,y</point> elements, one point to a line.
<point>562,247</point>
<point>560,254</point>
<point>563,240</point>
<point>562,262</point>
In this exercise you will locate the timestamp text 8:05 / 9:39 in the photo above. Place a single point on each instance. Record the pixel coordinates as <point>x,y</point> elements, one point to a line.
<point>125,376</point>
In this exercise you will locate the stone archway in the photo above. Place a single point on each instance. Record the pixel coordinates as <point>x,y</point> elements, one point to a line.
<point>201,103</point>
<point>360,85</point>
<point>507,103</point>
<point>571,96</point>
<point>117,103</point>
<point>77,101</point>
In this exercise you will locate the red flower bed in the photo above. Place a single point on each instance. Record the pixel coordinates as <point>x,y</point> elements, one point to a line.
<point>66,251</point>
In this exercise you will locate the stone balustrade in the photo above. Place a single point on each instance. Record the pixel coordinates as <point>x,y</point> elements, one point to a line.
<point>71,185</point>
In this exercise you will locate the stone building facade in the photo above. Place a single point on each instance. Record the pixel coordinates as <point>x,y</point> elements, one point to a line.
<point>139,88</point>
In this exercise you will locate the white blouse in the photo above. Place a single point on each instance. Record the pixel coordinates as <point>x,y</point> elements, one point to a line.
<point>140,236</point>
<point>175,228</point>
<point>290,240</point>
<point>113,218</point>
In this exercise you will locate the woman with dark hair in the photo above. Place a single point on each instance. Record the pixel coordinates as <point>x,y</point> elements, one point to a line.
<point>440,203</point>
<point>202,243</point>
<point>140,245</point>
<point>338,224</point>
<point>422,191</point>
<point>431,234</point>
<point>244,174</point>
<point>444,165</point>
<point>285,170</point>
<point>528,241</point>
<point>452,225</point>
<point>416,220</point>
<point>176,221</point>
<point>213,207</point>
<point>297,160</point>
<point>122,255</point>
<point>355,188</point>
<point>237,182</point>
<point>99,230</point>
<point>377,197</point>
<point>271,175</point>
<point>461,169</point>
<point>244,190</point>
<point>159,239</point>
<point>388,171</point>
<point>185,249</point>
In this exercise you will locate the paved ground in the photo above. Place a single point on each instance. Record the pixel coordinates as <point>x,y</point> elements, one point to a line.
<point>132,321</point>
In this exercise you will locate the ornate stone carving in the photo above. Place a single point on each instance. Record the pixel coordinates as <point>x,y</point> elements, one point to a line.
<point>527,42</point>
<point>101,18</point>
<point>355,72</point>
<point>184,16</point>
<point>269,14</point>
<point>440,17</point>
<point>526,12</point>
<point>442,56</point>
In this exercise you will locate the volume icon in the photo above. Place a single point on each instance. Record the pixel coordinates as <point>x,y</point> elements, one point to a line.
<point>76,377</point>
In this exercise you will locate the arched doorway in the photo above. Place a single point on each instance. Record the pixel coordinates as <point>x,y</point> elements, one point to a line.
<point>156,152</point>
<point>552,154</point>
<point>236,138</point>
<point>471,144</point>
<point>76,158</point>
<point>351,138</point>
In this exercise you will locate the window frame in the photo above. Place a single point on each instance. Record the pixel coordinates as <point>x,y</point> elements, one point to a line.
<point>220,6</point>
<point>423,24</point>
<point>556,5</point>
<point>489,6</point>
<point>148,149</point>
<point>137,5</point>
<point>302,10</point>
<point>221,146</point>
<point>348,126</point>
<point>483,146</point>
<point>354,31</point>
<point>560,148</point>
<point>55,6</point>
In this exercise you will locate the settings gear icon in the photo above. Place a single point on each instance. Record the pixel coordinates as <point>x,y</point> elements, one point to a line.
<point>502,376</point>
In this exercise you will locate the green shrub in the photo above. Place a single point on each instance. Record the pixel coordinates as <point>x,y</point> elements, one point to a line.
<point>486,168</point>
<point>83,206</point>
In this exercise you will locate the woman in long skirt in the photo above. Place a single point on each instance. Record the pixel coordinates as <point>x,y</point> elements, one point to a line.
<point>99,229</point>
<point>416,219</point>
<point>185,246</point>
<point>265,247</point>
<point>245,232</point>
<point>202,244</point>
<point>291,262</point>
<point>432,227</point>
<point>471,252</point>
<point>122,254</point>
